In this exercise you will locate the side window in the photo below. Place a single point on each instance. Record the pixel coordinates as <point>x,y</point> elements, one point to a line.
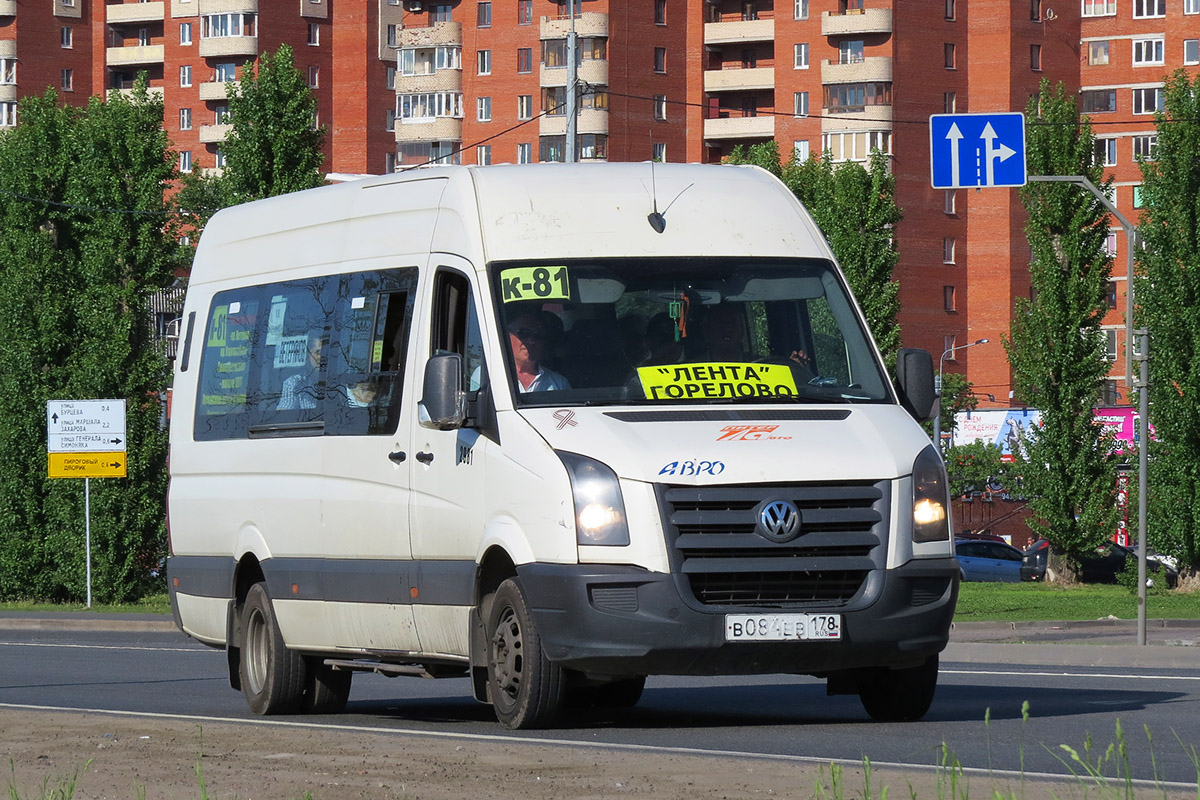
<point>456,326</point>
<point>320,356</point>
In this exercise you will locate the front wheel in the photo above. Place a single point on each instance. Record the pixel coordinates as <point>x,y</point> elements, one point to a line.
<point>899,695</point>
<point>272,675</point>
<point>527,689</point>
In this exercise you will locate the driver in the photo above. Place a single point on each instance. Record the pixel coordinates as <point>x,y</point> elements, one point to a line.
<point>527,337</point>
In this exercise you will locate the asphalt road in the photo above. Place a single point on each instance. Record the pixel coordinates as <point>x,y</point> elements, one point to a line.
<point>1072,691</point>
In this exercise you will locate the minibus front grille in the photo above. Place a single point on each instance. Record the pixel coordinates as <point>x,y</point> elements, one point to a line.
<point>723,557</point>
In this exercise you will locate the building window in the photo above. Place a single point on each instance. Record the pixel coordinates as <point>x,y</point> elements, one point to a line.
<point>948,250</point>
<point>949,342</point>
<point>948,55</point>
<point>221,114</point>
<point>1099,8</point>
<point>440,12</point>
<point>484,62</point>
<point>185,75</point>
<point>949,9</point>
<point>1098,101</point>
<point>949,102</point>
<point>219,159</point>
<point>524,12</point>
<point>800,150</point>
<point>220,26</point>
<point>1110,243</point>
<point>660,107</point>
<point>314,74</point>
<point>1147,101</point>
<point>524,153</point>
<point>660,12</point>
<point>800,104</point>
<point>1110,298</point>
<point>950,202</point>
<point>850,52</point>
<point>1110,345</point>
<point>1097,53</point>
<point>1035,57</point>
<point>185,119</point>
<point>1191,6</point>
<point>185,33</point>
<point>429,105</point>
<point>1145,147</point>
<point>390,78</point>
<point>483,109</point>
<point>800,55</point>
<point>554,101</point>
<point>314,34</point>
<point>1143,9</point>
<point>389,120</point>
<point>801,9</point>
<point>65,38</point>
<point>848,97</point>
<point>855,146</point>
<point>389,162</point>
<point>224,72</point>
<point>483,15</point>
<point>749,58</point>
<point>1035,10</point>
<point>483,152</point>
<point>8,71</point>
<point>948,298</point>
<point>524,106</point>
<point>1106,152</point>
<point>143,37</point>
<point>660,59</point>
<point>68,80</point>
<point>524,59</point>
<point>185,160</point>
<point>1191,50</point>
<point>1148,52</point>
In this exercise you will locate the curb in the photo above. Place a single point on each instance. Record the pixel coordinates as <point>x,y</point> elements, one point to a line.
<point>89,623</point>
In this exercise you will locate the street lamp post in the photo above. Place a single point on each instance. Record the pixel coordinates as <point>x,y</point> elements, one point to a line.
<point>937,418</point>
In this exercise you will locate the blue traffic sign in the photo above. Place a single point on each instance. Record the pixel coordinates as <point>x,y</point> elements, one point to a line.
<point>970,150</point>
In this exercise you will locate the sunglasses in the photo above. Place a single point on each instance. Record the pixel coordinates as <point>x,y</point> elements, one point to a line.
<point>527,334</point>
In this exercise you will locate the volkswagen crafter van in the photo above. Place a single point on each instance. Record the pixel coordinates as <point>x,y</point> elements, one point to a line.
<point>552,428</point>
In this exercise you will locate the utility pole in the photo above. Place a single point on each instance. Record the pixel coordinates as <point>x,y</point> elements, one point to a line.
<point>572,78</point>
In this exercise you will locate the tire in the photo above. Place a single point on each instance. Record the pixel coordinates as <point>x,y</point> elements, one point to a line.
<point>326,689</point>
<point>527,690</point>
<point>272,675</point>
<point>899,695</point>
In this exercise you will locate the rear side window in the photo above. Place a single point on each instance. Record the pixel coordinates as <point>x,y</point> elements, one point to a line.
<point>320,356</point>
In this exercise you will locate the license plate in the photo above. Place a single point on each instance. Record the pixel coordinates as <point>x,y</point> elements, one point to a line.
<point>782,627</point>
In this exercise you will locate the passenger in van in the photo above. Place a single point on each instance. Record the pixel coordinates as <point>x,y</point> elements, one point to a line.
<point>300,390</point>
<point>725,333</point>
<point>661,344</point>
<point>527,337</point>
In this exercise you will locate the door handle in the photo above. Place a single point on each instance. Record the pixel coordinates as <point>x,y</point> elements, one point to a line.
<point>425,458</point>
<point>397,456</point>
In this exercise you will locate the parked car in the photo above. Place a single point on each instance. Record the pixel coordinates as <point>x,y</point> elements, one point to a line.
<point>984,560</point>
<point>1102,567</point>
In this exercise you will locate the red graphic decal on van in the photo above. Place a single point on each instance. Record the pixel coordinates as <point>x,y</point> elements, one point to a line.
<point>565,417</point>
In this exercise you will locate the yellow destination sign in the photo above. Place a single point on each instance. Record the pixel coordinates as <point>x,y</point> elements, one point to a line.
<point>87,465</point>
<point>707,381</point>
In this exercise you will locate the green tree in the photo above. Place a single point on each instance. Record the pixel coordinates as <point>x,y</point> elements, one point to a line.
<point>87,240</point>
<point>957,395</point>
<point>855,208</point>
<point>1168,297</point>
<point>1056,346</point>
<point>974,466</point>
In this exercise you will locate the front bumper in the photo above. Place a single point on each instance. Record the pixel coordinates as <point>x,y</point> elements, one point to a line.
<point>616,620</point>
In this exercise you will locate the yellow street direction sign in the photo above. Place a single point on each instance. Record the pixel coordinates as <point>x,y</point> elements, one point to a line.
<point>87,465</point>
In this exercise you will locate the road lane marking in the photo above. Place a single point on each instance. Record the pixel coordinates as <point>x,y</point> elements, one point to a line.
<point>1119,676</point>
<point>1155,785</point>
<point>112,647</point>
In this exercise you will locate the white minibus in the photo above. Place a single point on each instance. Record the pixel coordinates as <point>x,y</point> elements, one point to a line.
<point>550,428</point>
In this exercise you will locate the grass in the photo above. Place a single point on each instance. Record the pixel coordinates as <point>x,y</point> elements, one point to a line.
<point>979,602</point>
<point>153,604</point>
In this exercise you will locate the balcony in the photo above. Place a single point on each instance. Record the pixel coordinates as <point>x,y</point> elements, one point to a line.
<point>8,48</point>
<point>589,120</point>
<point>593,71</point>
<point>740,127</point>
<point>214,90</point>
<point>229,6</point>
<point>8,93</point>
<point>867,118</point>
<point>229,46</point>
<point>443,80</point>
<point>120,13</point>
<point>214,134</point>
<point>872,69</point>
<point>754,30</point>
<point>736,80</point>
<point>437,129</point>
<point>314,9</point>
<point>68,8</point>
<point>130,56</point>
<point>438,33</point>
<point>856,22</point>
<point>589,24</point>
<point>152,91</point>
<point>8,8</point>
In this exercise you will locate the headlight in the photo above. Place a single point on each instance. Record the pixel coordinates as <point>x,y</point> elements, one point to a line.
<point>931,517</point>
<point>599,510</point>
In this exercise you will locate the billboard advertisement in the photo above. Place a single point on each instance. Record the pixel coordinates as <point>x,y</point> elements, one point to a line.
<point>1005,427</point>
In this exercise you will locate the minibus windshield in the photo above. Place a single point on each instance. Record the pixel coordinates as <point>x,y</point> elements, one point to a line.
<point>681,330</point>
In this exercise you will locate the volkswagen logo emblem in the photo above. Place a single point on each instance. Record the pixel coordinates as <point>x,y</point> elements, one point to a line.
<point>779,521</point>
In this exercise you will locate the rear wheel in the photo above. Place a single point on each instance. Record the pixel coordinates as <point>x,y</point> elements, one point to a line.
<point>326,689</point>
<point>527,689</point>
<point>272,675</point>
<point>899,695</point>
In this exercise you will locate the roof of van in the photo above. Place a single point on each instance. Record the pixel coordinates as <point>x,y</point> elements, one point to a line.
<point>508,212</point>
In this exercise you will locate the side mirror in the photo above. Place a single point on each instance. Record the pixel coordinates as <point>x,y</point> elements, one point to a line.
<point>442,405</point>
<point>914,379</point>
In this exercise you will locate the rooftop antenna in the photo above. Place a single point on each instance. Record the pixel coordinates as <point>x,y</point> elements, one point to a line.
<point>658,220</point>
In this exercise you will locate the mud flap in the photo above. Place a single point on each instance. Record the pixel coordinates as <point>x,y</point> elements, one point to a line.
<point>479,655</point>
<point>233,650</point>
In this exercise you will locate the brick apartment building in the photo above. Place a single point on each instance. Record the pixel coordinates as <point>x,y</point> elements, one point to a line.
<point>404,82</point>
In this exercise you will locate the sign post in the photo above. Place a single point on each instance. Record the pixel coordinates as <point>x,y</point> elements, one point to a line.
<point>86,439</point>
